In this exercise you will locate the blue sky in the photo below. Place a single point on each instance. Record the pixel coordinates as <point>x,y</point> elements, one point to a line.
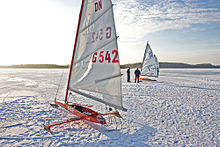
<point>43,31</point>
<point>179,31</point>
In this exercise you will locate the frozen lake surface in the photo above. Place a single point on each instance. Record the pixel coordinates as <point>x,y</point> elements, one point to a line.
<point>182,108</point>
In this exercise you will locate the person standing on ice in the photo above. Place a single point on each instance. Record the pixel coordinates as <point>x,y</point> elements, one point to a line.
<point>137,75</point>
<point>128,75</point>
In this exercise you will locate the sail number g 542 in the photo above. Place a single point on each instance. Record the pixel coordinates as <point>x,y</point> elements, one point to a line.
<point>109,57</point>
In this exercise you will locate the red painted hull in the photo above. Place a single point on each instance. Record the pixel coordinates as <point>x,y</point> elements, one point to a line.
<point>146,79</point>
<point>83,112</point>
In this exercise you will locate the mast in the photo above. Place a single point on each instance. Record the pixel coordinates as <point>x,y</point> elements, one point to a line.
<point>71,66</point>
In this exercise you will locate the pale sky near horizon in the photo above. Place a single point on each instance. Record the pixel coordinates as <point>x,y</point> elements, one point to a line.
<point>43,31</point>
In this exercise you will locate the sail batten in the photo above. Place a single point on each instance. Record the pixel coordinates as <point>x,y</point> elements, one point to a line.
<point>107,78</point>
<point>83,29</point>
<point>98,99</point>
<point>95,92</point>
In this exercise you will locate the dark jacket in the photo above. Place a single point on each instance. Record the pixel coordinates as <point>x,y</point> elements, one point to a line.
<point>128,71</point>
<point>137,73</point>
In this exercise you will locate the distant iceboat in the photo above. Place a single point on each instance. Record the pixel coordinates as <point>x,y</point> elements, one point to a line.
<point>150,65</point>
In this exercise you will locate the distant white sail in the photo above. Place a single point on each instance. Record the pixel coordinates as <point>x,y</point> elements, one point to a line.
<point>150,65</point>
<point>96,65</point>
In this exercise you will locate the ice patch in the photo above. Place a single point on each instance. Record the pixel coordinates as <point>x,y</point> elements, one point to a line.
<point>2,77</point>
<point>16,79</point>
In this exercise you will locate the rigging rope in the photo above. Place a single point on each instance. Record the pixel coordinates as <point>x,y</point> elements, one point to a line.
<point>59,85</point>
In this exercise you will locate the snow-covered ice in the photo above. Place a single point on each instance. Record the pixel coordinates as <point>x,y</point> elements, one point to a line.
<point>180,109</point>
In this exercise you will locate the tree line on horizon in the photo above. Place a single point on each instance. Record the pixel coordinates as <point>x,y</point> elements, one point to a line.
<point>35,66</point>
<point>132,65</point>
<point>173,65</point>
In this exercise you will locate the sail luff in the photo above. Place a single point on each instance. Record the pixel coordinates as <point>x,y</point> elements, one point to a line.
<point>74,50</point>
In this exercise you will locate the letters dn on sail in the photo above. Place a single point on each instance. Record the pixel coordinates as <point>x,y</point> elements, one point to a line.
<point>98,5</point>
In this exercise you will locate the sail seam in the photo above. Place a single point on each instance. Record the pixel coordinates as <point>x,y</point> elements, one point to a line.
<point>99,100</point>
<point>95,50</point>
<point>96,91</point>
<point>95,19</point>
<point>107,78</point>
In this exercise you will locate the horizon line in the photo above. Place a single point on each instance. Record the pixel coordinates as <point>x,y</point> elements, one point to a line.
<point>54,64</point>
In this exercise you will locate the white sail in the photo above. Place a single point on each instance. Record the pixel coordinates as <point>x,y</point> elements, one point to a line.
<point>150,65</point>
<point>96,65</point>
